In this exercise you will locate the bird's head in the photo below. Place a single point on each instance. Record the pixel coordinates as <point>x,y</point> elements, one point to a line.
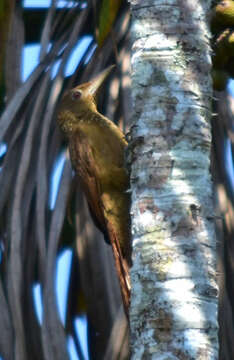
<point>77,103</point>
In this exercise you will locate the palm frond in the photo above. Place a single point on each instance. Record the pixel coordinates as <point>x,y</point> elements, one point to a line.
<point>30,230</point>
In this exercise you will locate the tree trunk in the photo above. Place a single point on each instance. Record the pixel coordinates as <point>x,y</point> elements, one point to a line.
<point>173,311</point>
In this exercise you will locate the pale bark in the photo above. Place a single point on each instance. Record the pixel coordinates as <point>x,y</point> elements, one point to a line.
<point>173,311</point>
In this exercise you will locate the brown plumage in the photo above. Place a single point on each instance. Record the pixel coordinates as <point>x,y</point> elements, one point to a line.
<point>97,148</point>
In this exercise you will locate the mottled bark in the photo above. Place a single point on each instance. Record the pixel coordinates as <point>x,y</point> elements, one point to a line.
<point>173,311</point>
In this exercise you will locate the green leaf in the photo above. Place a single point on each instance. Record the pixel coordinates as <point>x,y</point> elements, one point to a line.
<point>107,16</point>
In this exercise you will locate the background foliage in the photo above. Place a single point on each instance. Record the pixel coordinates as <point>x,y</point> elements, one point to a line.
<point>32,232</point>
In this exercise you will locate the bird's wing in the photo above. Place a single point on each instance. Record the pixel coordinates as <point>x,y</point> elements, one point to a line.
<point>83,161</point>
<point>84,165</point>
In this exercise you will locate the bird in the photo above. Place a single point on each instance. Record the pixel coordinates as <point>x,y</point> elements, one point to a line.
<point>97,149</point>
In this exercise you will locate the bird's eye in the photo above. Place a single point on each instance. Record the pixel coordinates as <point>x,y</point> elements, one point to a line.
<point>76,95</point>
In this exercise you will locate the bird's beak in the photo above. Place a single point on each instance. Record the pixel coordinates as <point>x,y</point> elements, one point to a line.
<point>97,82</point>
